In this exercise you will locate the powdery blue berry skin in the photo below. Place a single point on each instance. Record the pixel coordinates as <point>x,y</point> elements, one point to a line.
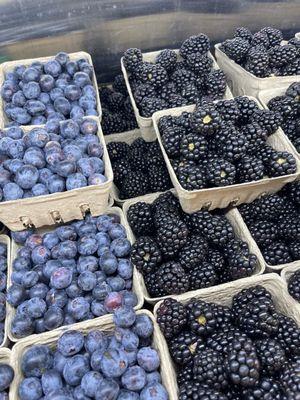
<point>124,317</point>
<point>87,281</point>
<point>50,239</point>
<point>125,268</point>
<point>87,245</point>
<point>29,279</point>
<point>56,297</point>
<point>90,383</point>
<point>120,247</point>
<point>113,301</point>
<point>98,309</point>
<point>30,389</point>
<point>143,326</point>
<point>108,389</point>
<point>76,181</point>
<point>116,283</point>
<point>134,378</point>
<point>40,255</point>
<point>95,340</point>
<point>153,377</point>
<point>27,176</point>
<point>75,368</point>
<point>128,395</point>
<point>154,391</point>
<point>12,191</point>
<point>36,307</point>
<point>79,308</point>
<point>148,359</point>
<point>36,360</point>
<point>108,263</point>
<point>117,231</point>
<point>114,363</point>
<point>51,381</point>
<point>70,343</point>
<point>61,278</point>
<point>53,318</point>
<point>6,376</point>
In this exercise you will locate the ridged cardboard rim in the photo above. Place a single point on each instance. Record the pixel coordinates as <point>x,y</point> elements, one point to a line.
<point>235,191</point>
<point>237,223</point>
<point>6,240</point>
<point>272,282</point>
<point>288,271</point>
<point>11,310</point>
<point>14,208</point>
<point>106,325</point>
<point>9,66</point>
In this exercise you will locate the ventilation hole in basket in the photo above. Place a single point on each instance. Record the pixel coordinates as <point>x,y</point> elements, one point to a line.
<point>206,206</point>
<point>57,219</point>
<point>27,223</point>
<point>85,209</point>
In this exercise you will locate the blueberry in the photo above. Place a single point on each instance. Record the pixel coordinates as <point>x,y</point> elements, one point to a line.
<point>30,389</point>
<point>19,70</point>
<point>13,165</point>
<point>75,368</point>
<point>120,247</point>
<point>62,105</point>
<point>72,152</point>
<point>87,245</point>
<point>76,113</point>
<point>73,290</point>
<point>61,83</point>
<point>107,389</point>
<point>154,391</point>
<point>56,184</point>
<point>128,395</point>
<point>55,93</point>
<point>12,191</point>
<point>79,308</point>
<point>95,150</point>
<point>87,281</point>
<point>15,294</point>
<point>47,83</point>
<point>5,143</point>
<point>89,90</point>
<point>101,291</point>
<point>57,297</point>
<point>38,137</point>
<point>4,177</point>
<point>34,107</point>
<point>125,268</point>
<point>45,98</point>
<point>50,239</point>
<point>97,308</point>
<point>2,281</point>
<point>3,263</point>
<point>52,68</point>
<point>30,278</point>
<point>116,283</point>
<point>72,92</point>
<point>90,383</point>
<point>34,240</point>
<point>124,317</point>
<point>8,89</point>
<point>117,231</point>
<point>40,255</point>
<point>50,267</point>
<point>59,362</point>
<point>53,318</point>
<point>78,394</point>
<point>39,189</point>
<point>95,340</point>
<point>113,301</point>
<point>87,103</point>
<point>6,376</point>
<point>27,176</point>
<point>69,129</point>
<point>36,307</point>
<point>129,339</point>
<point>38,120</point>
<point>108,263</point>
<point>18,99</point>
<point>87,68</point>
<point>89,126</point>
<point>71,67</point>
<point>39,290</point>
<point>87,228</point>
<point>31,90</point>
<point>134,378</point>
<point>86,167</point>
<point>143,326</point>
<point>61,278</point>
<point>52,125</point>
<point>88,263</point>
<point>51,381</point>
<point>81,79</point>
<point>35,157</point>
<point>44,175</point>
<point>153,377</point>
<point>20,115</point>
<point>70,343</point>
<point>148,359</point>
<point>76,181</point>
<point>31,74</point>
<point>36,360</point>
<point>96,179</point>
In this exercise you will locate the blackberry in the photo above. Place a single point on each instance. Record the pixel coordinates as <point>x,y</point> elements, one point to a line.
<point>260,39</point>
<point>172,236</point>
<point>241,265</point>
<point>159,179</point>
<point>263,232</point>
<point>277,253</point>
<point>269,206</point>
<point>249,169</point>
<point>171,317</point>
<point>291,69</point>
<point>196,391</point>
<point>182,77</point>
<point>206,120</point>
<point>215,84</point>
<point>266,388</point>
<point>274,35</point>
<point>168,202</point>
<point>117,150</point>
<point>286,106</point>
<point>142,91</point>
<point>288,335</point>
<point>203,317</point>
<point>115,101</point>
<point>268,120</point>
<point>290,228</point>
<point>193,253</point>
<point>209,369</point>
<point>280,163</point>
<point>150,105</point>
<point>171,139</point>
<point>132,59</point>
<point>203,276</point>
<point>172,279</point>
<point>139,145</point>
<point>282,55</point>
<point>230,144</point>
<point>167,90</point>
<point>199,63</point>
<point>119,84</point>
<point>228,110</point>
<point>295,250</point>
<point>293,91</point>
<point>185,374</point>
<point>112,123</point>
<point>295,42</point>
<point>236,48</point>
<point>294,285</point>
<point>271,355</point>
<point>167,59</point>
<point>195,44</point>
<point>184,121</point>
<point>152,286</point>
<point>175,100</point>
<point>193,147</point>
<point>242,364</point>
<point>121,169</point>
<point>235,246</point>
<point>290,379</point>
<point>135,184</point>
<point>191,177</point>
<point>184,347</point>
<point>137,159</point>
<point>191,93</point>
<point>154,155</point>
<point>155,75</point>
<point>216,260</point>
<point>246,108</point>
<point>145,254</point>
<point>221,341</point>
<point>243,33</point>
<point>255,313</point>
<point>258,64</point>
<point>255,136</point>
<point>220,172</point>
<point>140,219</point>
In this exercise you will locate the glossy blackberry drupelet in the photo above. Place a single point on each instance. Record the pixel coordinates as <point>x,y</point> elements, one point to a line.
<point>171,139</point>
<point>215,85</point>
<point>268,120</point>
<point>290,378</point>
<point>185,374</point>
<point>193,147</point>
<point>193,253</point>
<point>195,44</point>
<point>294,285</point>
<point>288,335</point>
<point>172,279</point>
<point>249,169</point>
<point>184,347</point>
<point>263,232</point>
<point>209,369</point>
<point>281,55</point>
<point>221,340</point>
<point>228,110</point>
<point>271,355</point>
<point>203,276</point>
<point>172,236</point>
<point>277,253</point>
<point>135,184</point>
<point>220,172</point>
<point>243,33</point>
<point>197,391</point>
<point>258,63</point>
<point>171,317</point>
<point>146,255</point>
<point>191,177</point>
<point>167,59</point>
<point>267,388</point>
<point>206,120</point>
<point>118,150</point>
<point>132,59</point>
<point>152,104</point>
<point>140,218</point>
<point>236,48</point>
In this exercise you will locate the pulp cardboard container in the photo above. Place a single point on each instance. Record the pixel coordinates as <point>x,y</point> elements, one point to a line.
<point>59,207</point>
<point>287,272</point>
<point>146,124</point>
<point>237,223</point>
<point>297,36</point>
<point>242,82</point>
<point>106,325</point>
<point>14,249</point>
<point>6,240</point>
<point>10,65</point>
<point>221,197</point>
<point>272,282</point>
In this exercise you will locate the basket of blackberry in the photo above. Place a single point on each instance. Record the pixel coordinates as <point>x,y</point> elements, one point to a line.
<point>175,252</point>
<point>241,343</point>
<point>225,152</point>
<point>291,276</point>
<point>7,373</point>
<point>273,221</point>
<point>171,78</point>
<point>117,112</point>
<point>285,101</point>
<point>255,61</point>
<point>138,166</point>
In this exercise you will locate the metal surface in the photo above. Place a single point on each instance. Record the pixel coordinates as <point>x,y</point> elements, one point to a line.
<point>105,28</point>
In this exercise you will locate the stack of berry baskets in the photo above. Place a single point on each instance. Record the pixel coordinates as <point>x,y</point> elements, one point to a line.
<point>212,263</point>
<point>169,78</point>
<point>163,378</point>
<point>235,339</point>
<point>7,374</point>
<point>258,61</point>
<point>5,247</point>
<point>284,100</point>
<point>115,281</point>
<point>224,153</point>
<point>61,195</point>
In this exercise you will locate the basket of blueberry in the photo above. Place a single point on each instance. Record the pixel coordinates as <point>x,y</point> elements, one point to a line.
<point>171,78</point>
<point>50,176</point>
<point>225,152</point>
<point>239,343</point>
<point>6,373</point>
<point>122,358</point>
<point>4,262</point>
<point>258,61</point>
<point>44,91</point>
<point>69,274</point>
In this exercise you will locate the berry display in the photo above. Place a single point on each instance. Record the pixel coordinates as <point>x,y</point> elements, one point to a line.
<point>73,273</point>
<point>169,82</point>
<point>138,169</point>
<point>3,283</point>
<point>177,252</point>
<point>49,92</point>
<point>247,351</point>
<point>96,365</point>
<point>224,143</point>
<point>262,53</point>
<point>273,223</point>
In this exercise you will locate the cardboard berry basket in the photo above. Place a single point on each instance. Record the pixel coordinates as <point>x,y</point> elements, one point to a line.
<point>297,35</point>
<point>14,249</point>
<point>10,65</point>
<point>242,82</point>
<point>6,240</point>
<point>146,124</point>
<point>235,220</point>
<point>59,207</point>
<point>288,271</point>
<point>223,296</point>
<point>224,196</point>
<point>106,325</point>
